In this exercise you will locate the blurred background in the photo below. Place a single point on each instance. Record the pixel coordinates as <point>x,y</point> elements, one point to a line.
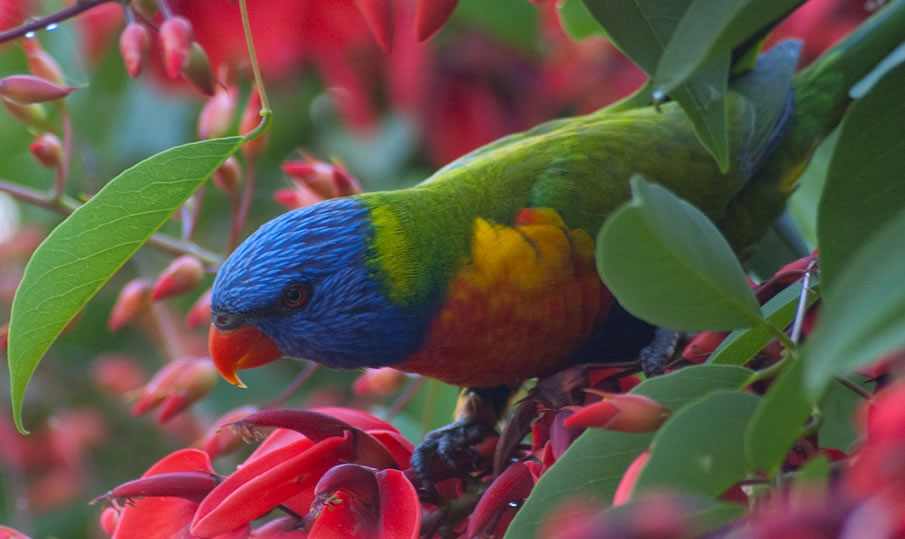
<point>389,118</point>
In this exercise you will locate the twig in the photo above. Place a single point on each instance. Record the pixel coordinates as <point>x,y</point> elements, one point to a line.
<point>240,214</point>
<point>860,391</point>
<point>39,24</point>
<point>65,206</point>
<point>62,173</point>
<point>303,377</point>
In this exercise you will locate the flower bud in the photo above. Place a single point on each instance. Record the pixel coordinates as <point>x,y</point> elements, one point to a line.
<point>181,276</point>
<point>200,313</point>
<point>32,114</point>
<point>620,412</point>
<point>217,115</point>
<point>325,179</point>
<point>176,386</point>
<point>228,177</point>
<point>146,8</point>
<point>381,381</point>
<point>4,335</point>
<point>132,301</point>
<point>703,344</point>
<point>431,15</point>
<point>41,64</point>
<point>134,46</point>
<point>117,375</point>
<point>47,150</point>
<point>197,70</point>
<point>10,533</point>
<point>176,41</point>
<point>378,15</point>
<point>251,117</point>
<point>26,89</point>
<point>629,478</point>
<point>109,520</point>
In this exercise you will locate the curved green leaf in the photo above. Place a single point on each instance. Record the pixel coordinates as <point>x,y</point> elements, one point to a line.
<point>742,344</point>
<point>578,21</point>
<point>701,449</point>
<point>641,29</point>
<point>864,186</point>
<point>779,420</point>
<point>711,27</point>
<point>592,466</point>
<point>863,316</point>
<point>85,250</point>
<point>668,264</point>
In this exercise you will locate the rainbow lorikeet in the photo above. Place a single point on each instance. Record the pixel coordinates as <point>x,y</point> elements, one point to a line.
<point>483,276</point>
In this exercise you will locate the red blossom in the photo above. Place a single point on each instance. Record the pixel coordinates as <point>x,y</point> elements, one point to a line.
<point>175,35</point>
<point>620,412</point>
<point>176,386</point>
<point>134,47</point>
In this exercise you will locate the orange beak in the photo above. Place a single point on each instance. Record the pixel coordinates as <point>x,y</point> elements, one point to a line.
<point>242,348</point>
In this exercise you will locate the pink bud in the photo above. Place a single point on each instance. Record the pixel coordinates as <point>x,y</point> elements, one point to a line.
<point>378,15</point>
<point>324,179</point>
<point>181,276</point>
<point>629,478</point>
<point>176,41</point>
<point>704,343</point>
<point>32,114</point>
<point>134,46</point>
<point>4,335</point>
<point>217,115</point>
<point>26,89</point>
<point>251,117</point>
<point>381,381</point>
<point>176,386</point>
<point>431,15</point>
<point>10,533</point>
<point>197,70</point>
<point>41,64</point>
<point>132,301</point>
<point>620,412</point>
<point>117,375</point>
<point>200,313</point>
<point>109,520</point>
<point>47,150</point>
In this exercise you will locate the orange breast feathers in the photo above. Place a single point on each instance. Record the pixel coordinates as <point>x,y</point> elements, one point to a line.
<point>529,297</point>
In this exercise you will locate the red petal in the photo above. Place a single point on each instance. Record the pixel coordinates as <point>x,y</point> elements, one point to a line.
<point>261,485</point>
<point>596,414</point>
<point>431,15</point>
<point>400,510</point>
<point>357,418</point>
<point>281,528</point>
<point>511,486</point>
<point>378,15</point>
<point>627,483</point>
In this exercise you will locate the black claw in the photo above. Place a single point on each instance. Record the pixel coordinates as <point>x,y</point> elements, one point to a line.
<point>448,443</point>
<point>655,355</point>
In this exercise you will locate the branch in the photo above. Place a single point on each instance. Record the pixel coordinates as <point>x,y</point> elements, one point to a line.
<point>65,206</point>
<point>39,24</point>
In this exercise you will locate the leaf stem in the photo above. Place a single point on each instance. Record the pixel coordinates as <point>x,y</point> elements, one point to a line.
<point>802,301</point>
<point>65,206</point>
<point>59,16</point>
<point>253,58</point>
<point>62,171</point>
<point>299,381</point>
<point>240,211</point>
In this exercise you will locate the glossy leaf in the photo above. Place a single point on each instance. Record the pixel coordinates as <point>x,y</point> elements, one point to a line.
<point>864,186</point>
<point>668,264</point>
<point>742,344</point>
<point>577,21</point>
<point>641,30</point>
<point>86,249</point>
<point>838,406</point>
<point>711,27</point>
<point>593,465</point>
<point>779,420</point>
<point>863,316</point>
<point>701,448</point>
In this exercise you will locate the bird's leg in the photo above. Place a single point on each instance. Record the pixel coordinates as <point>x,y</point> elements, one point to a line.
<point>476,416</point>
<point>657,353</point>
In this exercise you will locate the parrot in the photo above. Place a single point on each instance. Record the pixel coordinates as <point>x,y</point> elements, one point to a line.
<point>483,276</point>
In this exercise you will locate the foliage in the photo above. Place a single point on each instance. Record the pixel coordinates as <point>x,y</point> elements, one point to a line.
<point>710,448</point>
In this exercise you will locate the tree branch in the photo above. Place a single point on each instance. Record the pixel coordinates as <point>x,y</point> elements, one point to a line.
<point>39,24</point>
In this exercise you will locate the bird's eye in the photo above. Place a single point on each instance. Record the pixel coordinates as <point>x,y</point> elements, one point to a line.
<point>296,296</point>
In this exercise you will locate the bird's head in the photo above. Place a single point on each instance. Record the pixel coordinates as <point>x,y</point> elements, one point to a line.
<point>304,285</point>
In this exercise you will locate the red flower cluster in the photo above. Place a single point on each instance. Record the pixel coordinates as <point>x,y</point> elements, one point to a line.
<point>333,470</point>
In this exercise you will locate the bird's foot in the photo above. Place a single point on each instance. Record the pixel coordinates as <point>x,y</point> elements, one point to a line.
<point>656,355</point>
<point>453,445</point>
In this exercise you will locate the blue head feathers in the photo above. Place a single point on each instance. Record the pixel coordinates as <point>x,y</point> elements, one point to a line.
<point>346,319</point>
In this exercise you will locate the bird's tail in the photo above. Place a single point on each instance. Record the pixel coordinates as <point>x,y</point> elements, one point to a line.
<point>821,99</point>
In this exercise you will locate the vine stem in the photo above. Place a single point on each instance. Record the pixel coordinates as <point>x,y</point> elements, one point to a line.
<point>39,24</point>
<point>65,206</point>
<point>253,58</point>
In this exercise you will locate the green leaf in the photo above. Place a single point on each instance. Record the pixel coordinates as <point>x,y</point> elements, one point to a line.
<point>742,344</point>
<point>712,27</point>
<point>811,478</point>
<point>701,449</point>
<point>578,21</point>
<point>668,264</point>
<point>85,250</point>
<point>837,407</point>
<point>513,21</point>
<point>592,466</point>
<point>641,29</point>
<point>864,186</point>
<point>864,316</point>
<point>779,420</point>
